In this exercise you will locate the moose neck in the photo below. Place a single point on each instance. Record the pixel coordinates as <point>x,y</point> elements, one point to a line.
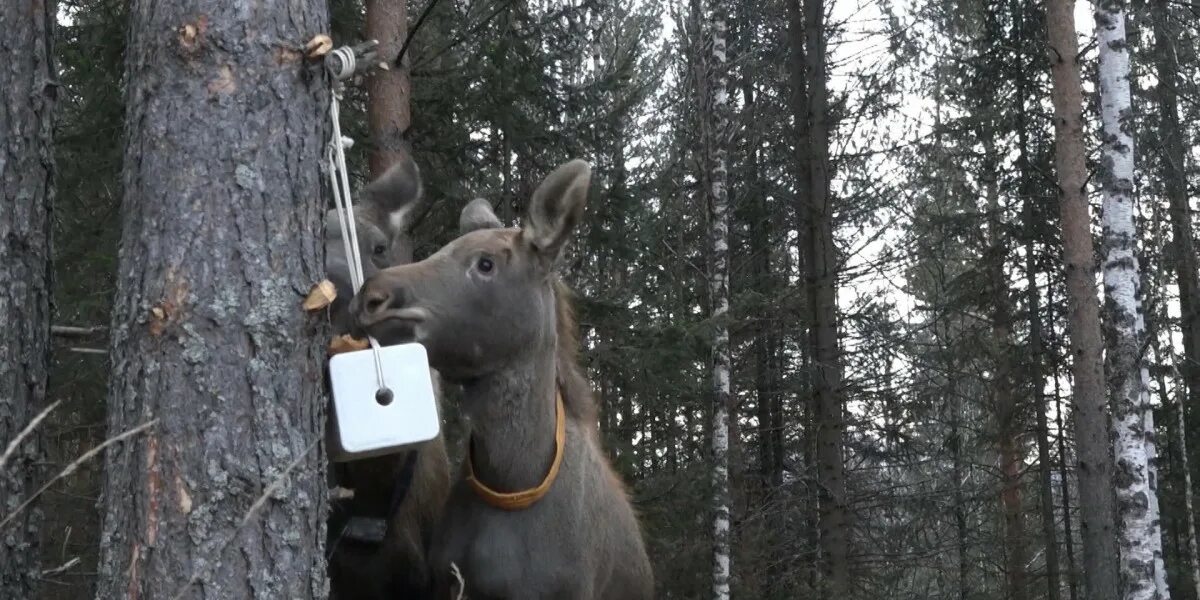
<point>512,416</point>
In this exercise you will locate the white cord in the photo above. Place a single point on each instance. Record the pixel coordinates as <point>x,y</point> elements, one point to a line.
<point>339,181</point>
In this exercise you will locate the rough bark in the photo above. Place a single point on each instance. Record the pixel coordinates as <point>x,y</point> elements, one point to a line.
<point>718,288</point>
<point>1094,452</point>
<point>1139,537</point>
<point>389,114</point>
<point>225,496</point>
<point>27,95</point>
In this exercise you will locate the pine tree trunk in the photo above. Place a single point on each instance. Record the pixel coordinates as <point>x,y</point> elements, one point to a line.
<point>1093,450</point>
<point>718,287</point>
<point>1183,254</point>
<point>1139,536</point>
<point>389,113</point>
<point>224,496</point>
<point>27,98</point>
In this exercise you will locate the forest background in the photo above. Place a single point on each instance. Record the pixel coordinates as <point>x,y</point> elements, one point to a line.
<point>916,438</point>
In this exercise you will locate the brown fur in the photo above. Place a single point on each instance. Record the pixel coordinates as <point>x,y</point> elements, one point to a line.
<point>494,318</point>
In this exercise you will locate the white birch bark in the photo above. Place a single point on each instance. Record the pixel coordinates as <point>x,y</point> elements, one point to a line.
<point>719,292</point>
<point>1139,536</point>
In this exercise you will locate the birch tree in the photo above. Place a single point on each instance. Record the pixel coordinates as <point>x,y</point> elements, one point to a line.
<point>715,99</point>
<point>224,495</point>
<point>27,95</point>
<point>1143,575</point>
<point>1090,407</point>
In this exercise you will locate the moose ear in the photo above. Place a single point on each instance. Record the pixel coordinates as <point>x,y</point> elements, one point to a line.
<point>397,196</point>
<point>556,207</point>
<point>477,215</point>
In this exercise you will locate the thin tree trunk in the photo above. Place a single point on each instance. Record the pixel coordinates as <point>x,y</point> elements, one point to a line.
<point>27,98</point>
<point>225,495</point>
<point>389,113</point>
<point>1093,450</point>
<point>1064,480</point>
<point>1139,536</point>
<point>1049,531</point>
<point>823,303</point>
<point>1033,300</point>
<point>1183,255</point>
<point>957,471</point>
<point>718,287</point>
<point>1177,456</point>
<point>1003,395</point>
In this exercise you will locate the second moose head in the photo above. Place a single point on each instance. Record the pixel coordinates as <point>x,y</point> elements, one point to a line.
<point>384,219</point>
<point>486,296</point>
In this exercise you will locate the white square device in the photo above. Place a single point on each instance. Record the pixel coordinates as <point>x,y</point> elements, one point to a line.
<point>362,425</point>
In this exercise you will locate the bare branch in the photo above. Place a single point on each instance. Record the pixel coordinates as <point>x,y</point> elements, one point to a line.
<point>86,456</point>
<point>12,446</point>
<point>73,331</point>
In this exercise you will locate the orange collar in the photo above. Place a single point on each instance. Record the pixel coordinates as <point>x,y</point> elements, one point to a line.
<point>525,498</point>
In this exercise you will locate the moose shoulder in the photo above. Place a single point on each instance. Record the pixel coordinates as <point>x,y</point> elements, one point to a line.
<point>404,491</point>
<point>539,512</point>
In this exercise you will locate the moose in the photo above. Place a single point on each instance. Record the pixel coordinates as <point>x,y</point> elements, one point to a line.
<point>380,537</point>
<point>539,511</point>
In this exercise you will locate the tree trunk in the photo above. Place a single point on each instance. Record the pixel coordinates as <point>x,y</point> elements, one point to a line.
<point>1183,255</point>
<point>958,472</point>
<point>718,287</point>
<point>1064,481</point>
<point>1045,467</point>
<point>225,494</point>
<point>1091,411</point>
<point>1139,536</point>
<point>27,97</point>
<point>1008,444</point>
<point>823,303</point>
<point>389,114</point>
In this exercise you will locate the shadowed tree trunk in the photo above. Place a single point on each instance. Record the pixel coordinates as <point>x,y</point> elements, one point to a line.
<point>1139,537</point>
<point>1183,256</point>
<point>389,113</point>
<point>221,240</point>
<point>822,277</point>
<point>1064,480</point>
<point>1091,410</point>
<point>27,94</point>
<point>1004,397</point>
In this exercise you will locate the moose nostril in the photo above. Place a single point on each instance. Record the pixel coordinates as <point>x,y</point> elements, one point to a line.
<point>376,301</point>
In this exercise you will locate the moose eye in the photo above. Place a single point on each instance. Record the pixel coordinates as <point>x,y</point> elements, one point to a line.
<point>485,265</point>
<point>379,249</point>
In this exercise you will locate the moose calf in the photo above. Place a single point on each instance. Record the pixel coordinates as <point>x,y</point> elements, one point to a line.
<point>539,512</point>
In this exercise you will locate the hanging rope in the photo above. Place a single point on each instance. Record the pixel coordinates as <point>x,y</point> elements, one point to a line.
<point>341,64</point>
